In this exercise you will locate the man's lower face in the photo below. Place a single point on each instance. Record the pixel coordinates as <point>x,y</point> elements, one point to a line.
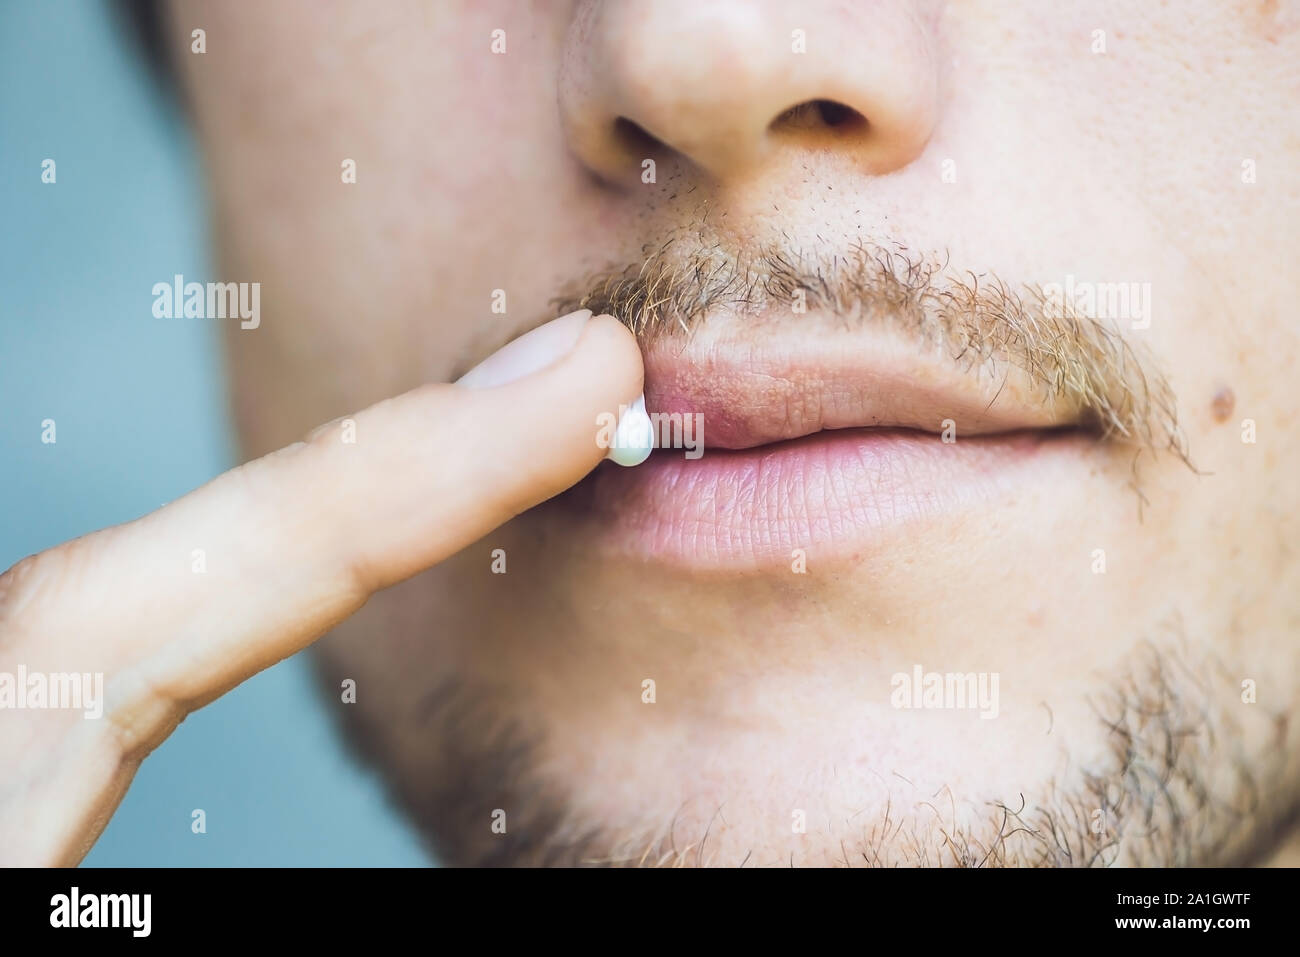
<point>891,608</point>
<point>1016,673</point>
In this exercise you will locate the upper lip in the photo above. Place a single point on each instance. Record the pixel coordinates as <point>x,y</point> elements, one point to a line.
<point>770,382</point>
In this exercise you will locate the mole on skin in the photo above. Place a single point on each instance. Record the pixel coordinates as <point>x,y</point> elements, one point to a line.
<point>1222,404</point>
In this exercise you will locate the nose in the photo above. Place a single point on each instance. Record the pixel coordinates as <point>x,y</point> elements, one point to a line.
<point>731,84</point>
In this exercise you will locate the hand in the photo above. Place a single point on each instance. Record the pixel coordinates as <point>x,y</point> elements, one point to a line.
<point>291,544</point>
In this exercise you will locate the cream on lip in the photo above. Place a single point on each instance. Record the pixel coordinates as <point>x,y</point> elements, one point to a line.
<point>633,438</point>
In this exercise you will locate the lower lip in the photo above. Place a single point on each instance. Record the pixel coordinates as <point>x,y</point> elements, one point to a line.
<point>834,494</point>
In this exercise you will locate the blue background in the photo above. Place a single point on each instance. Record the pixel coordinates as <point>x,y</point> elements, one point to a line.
<point>140,419</point>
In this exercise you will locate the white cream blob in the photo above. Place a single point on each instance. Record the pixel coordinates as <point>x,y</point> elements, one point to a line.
<point>634,437</point>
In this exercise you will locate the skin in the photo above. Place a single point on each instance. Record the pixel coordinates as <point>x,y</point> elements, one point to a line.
<point>523,692</point>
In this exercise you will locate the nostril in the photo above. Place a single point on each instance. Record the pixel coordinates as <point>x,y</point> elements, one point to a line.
<point>837,114</point>
<point>635,139</point>
<point>820,114</point>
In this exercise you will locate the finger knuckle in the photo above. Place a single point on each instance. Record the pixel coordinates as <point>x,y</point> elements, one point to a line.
<point>26,588</point>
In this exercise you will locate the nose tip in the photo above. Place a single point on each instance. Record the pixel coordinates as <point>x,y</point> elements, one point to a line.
<point>731,85</point>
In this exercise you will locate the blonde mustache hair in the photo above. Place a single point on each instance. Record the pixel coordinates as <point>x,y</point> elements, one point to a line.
<point>983,321</point>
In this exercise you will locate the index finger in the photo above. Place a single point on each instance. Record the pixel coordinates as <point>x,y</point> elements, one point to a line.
<point>179,606</point>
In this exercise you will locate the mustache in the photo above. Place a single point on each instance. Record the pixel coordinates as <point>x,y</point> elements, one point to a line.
<point>984,323</point>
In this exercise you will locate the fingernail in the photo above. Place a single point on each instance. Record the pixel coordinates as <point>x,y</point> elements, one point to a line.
<point>530,352</point>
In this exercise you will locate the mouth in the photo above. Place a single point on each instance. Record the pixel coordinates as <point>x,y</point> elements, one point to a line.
<point>774,439</point>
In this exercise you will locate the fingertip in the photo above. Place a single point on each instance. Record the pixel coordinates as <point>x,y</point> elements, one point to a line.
<point>613,342</point>
<point>564,410</point>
